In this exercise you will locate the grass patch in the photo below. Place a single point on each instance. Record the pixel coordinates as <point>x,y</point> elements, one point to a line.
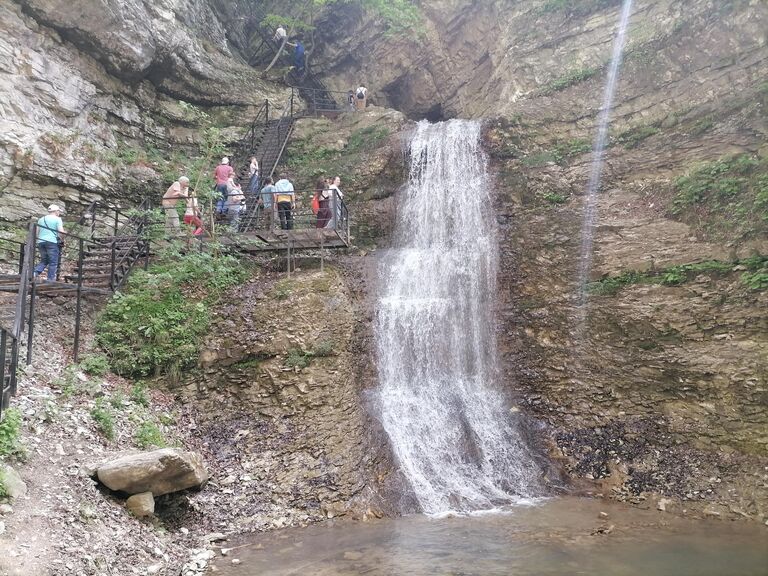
<point>672,276</point>
<point>555,198</point>
<point>323,348</point>
<point>634,136</point>
<point>156,325</point>
<point>727,198</point>
<point>283,289</point>
<point>104,418</point>
<point>366,138</point>
<point>10,433</point>
<point>576,7</point>
<point>756,276</point>
<point>297,358</point>
<point>541,159</point>
<point>148,434</point>
<point>569,79</point>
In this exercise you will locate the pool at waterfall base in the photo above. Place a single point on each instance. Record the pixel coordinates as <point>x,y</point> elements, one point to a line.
<point>568,536</point>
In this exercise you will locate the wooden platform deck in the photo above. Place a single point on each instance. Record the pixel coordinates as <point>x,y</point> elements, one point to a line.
<point>273,240</point>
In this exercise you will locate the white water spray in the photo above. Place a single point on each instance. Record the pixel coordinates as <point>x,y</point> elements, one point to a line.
<point>598,154</point>
<point>454,437</point>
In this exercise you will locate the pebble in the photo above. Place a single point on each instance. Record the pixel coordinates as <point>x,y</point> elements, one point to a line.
<point>235,561</point>
<point>6,509</point>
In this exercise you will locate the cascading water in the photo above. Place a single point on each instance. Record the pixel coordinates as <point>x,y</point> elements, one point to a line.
<point>454,437</point>
<point>598,153</point>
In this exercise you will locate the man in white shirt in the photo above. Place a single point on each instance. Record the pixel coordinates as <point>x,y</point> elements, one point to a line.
<point>280,34</point>
<point>361,97</point>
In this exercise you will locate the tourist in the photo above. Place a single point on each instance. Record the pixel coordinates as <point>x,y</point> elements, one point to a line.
<point>253,175</point>
<point>323,197</point>
<point>280,34</point>
<point>221,175</point>
<point>176,191</point>
<point>299,58</point>
<point>192,214</point>
<point>351,100</point>
<point>267,202</point>
<point>361,97</point>
<point>335,197</point>
<point>234,205</point>
<point>285,198</point>
<point>48,229</point>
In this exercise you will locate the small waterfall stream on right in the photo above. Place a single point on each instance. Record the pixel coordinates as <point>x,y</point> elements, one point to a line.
<point>453,436</point>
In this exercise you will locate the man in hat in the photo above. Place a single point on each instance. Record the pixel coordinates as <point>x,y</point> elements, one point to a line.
<point>48,229</point>
<point>222,174</point>
<point>176,191</point>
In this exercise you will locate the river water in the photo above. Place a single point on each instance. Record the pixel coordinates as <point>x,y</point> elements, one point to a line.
<point>564,536</point>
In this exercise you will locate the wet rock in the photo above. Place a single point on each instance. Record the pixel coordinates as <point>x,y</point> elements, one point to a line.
<point>159,472</point>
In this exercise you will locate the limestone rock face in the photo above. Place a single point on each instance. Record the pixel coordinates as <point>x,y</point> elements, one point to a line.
<point>92,98</point>
<point>159,472</point>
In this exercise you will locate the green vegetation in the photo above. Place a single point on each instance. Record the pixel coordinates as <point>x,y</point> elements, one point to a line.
<point>10,433</point>
<point>148,434</point>
<point>634,136</point>
<point>298,358</point>
<point>323,348</point>
<point>3,489</point>
<point>155,326</point>
<point>104,418</point>
<point>725,198</point>
<point>576,7</point>
<point>139,394</point>
<point>117,400</point>
<point>366,138</point>
<point>282,289</point>
<point>569,79</point>
<point>571,148</point>
<point>540,159</point>
<point>399,16</point>
<point>676,275</point>
<point>555,198</point>
<point>756,276</point>
<point>95,364</point>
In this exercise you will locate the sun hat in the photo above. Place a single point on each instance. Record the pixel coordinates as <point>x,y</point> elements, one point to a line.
<point>225,160</point>
<point>54,208</point>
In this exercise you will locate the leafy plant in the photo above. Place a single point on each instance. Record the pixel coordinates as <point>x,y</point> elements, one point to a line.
<point>95,364</point>
<point>10,433</point>
<point>117,400</point>
<point>148,434</point>
<point>104,418</point>
<point>324,348</point>
<point>139,394</point>
<point>3,488</point>
<point>555,198</point>
<point>154,327</point>
<point>297,358</point>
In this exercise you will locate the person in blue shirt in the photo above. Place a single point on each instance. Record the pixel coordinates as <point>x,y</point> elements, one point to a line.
<point>266,202</point>
<point>48,230</point>
<point>299,58</point>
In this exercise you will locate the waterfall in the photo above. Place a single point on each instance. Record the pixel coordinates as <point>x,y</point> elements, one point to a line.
<point>598,156</point>
<point>454,437</point>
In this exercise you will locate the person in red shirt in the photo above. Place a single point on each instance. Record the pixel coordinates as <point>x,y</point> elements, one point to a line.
<point>222,173</point>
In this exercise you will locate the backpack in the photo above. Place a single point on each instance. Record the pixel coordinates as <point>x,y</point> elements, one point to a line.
<point>315,204</point>
<point>360,94</point>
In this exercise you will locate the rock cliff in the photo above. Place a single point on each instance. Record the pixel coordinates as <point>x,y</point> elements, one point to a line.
<point>109,99</point>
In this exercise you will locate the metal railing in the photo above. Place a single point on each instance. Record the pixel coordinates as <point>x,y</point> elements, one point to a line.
<point>258,218</point>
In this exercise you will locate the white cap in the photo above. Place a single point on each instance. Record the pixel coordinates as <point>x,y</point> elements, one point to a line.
<point>225,160</point>
<point>54,208</point>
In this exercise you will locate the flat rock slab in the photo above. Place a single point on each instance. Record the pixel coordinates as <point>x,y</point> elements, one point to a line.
<point>159,472</point>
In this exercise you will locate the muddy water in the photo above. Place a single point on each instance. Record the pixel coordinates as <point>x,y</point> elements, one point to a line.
<point>561,536</point>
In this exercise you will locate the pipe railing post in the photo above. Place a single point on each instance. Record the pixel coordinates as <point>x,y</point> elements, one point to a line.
<point>78,303</point>
<point>112,266</point>
<point>3,336</point>
<point>114,232</point>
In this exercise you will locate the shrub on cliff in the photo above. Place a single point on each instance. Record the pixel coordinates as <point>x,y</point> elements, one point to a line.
<point>155,325</point>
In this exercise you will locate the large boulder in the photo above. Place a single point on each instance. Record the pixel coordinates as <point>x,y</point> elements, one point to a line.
<point>159,472</point>
<point>14,486</point>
